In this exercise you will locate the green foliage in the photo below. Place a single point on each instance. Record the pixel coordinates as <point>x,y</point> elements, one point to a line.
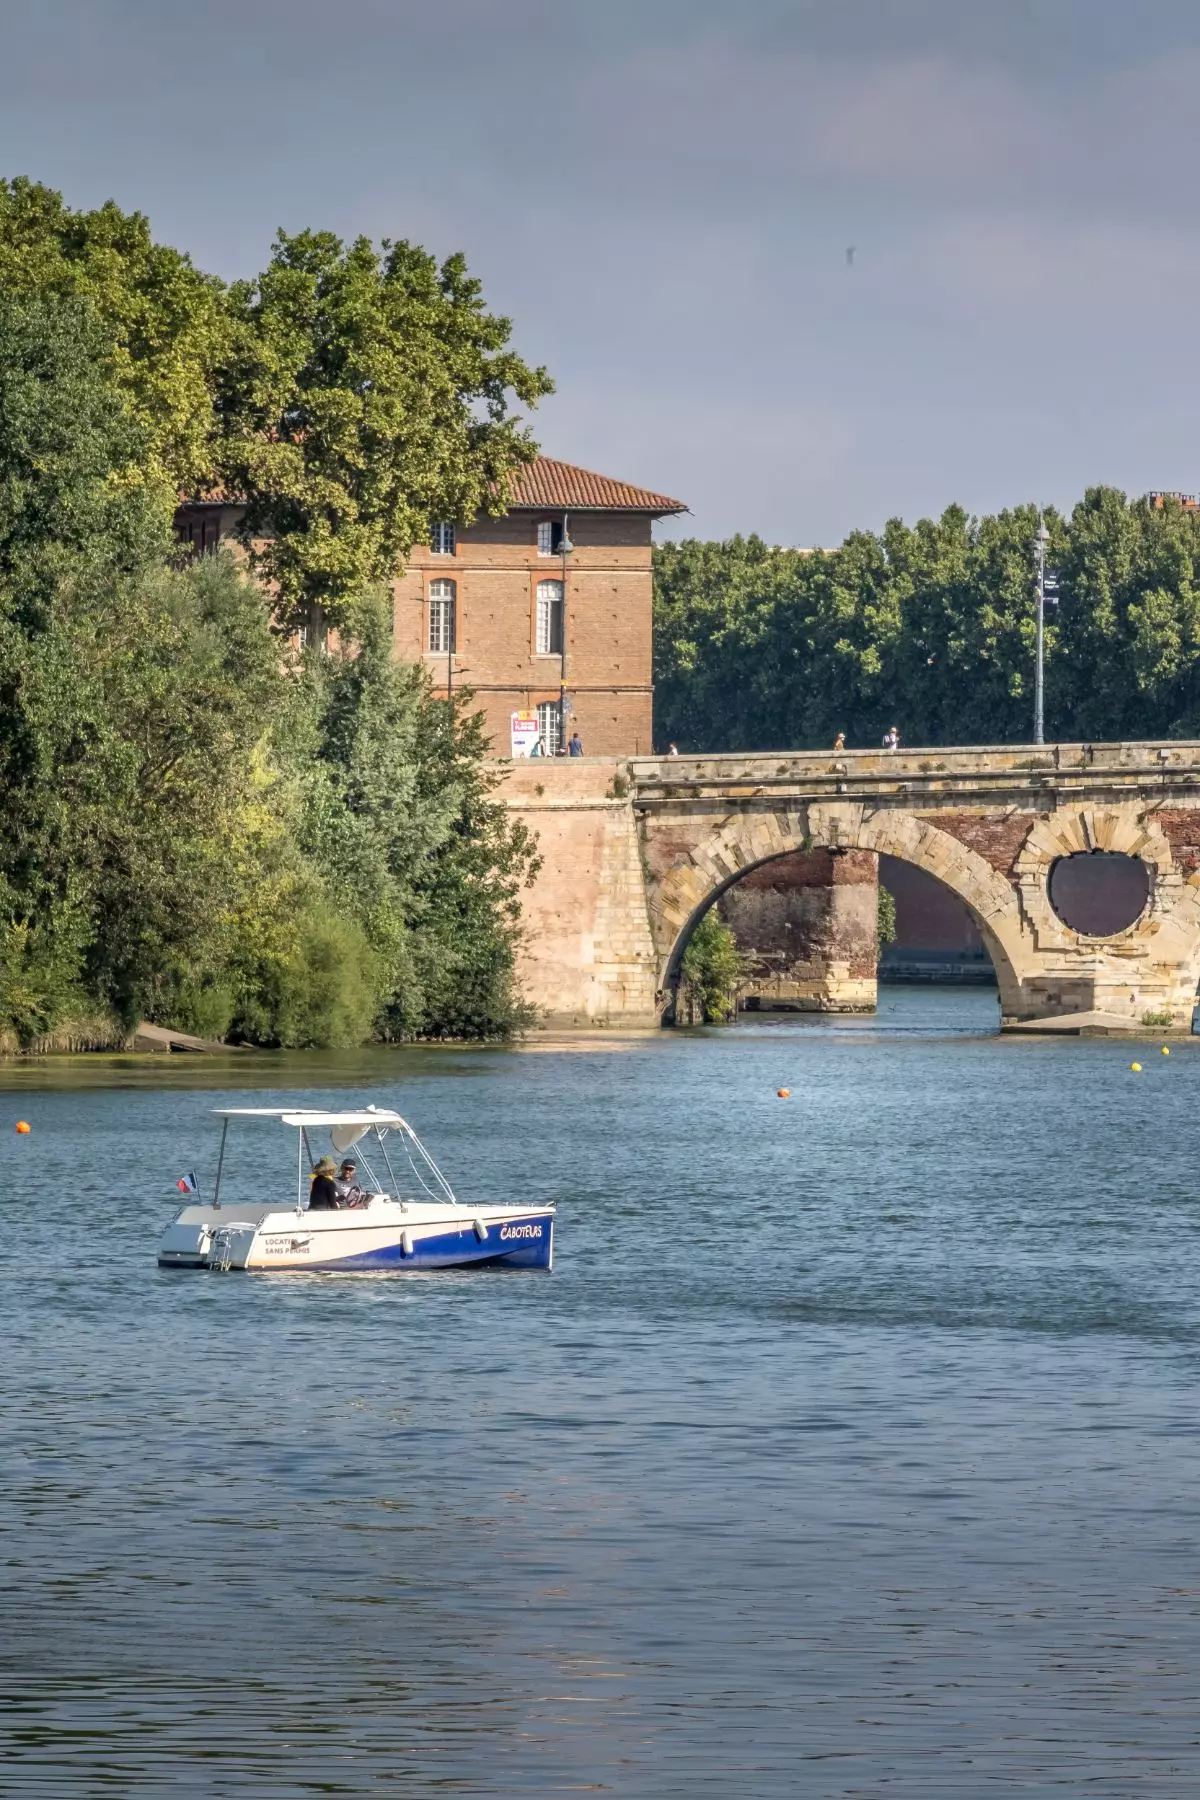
<point>167,324</point>
<point>70,521</point>
<point>885,916</point>
<point>392,806</point>
<point>368,393</point>
<point>711,972</point>
<point>931,628</point>
<point>191,830</point>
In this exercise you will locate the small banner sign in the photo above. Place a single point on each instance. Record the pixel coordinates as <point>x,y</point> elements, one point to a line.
<point>1050,587</point>
<point>524,732</point>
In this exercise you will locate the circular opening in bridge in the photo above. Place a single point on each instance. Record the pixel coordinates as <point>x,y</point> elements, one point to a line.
<point>1099,892</point>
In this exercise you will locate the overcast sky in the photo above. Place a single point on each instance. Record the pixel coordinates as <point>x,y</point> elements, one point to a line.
<point>662,192</point>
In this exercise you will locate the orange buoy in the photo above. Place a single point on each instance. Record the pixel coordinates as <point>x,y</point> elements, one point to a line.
<point>784,1093</point>
<point>23,1128</point>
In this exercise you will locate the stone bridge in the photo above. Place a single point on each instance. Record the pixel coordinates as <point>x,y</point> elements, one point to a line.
<point>634,852</point>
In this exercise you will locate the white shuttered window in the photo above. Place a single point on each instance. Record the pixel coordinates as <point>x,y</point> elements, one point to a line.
<point>549,618</point>
<point>549,721</point>
<point>441,617</point>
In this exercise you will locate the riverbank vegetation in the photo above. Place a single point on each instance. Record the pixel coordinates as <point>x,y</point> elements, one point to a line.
<point>711,974</point>
<point>931,628</point>
<point>201,823</point>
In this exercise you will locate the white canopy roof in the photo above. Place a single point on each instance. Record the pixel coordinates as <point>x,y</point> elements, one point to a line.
<point>290,1115</point>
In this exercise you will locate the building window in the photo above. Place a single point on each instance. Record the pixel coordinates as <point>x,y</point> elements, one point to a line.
<point>549,618</point>
<point>442,622</point>
<point>441,539</point>
<point>201,536</point>
<point>550,537</point>
<point>549,726</point>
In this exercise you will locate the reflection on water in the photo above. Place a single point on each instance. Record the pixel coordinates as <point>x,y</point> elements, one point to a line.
<point>850,1450</point>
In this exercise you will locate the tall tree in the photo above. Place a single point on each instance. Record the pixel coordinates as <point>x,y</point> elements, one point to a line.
<point>369,392</point>
<point>129,694</point>
<point>167,323</point>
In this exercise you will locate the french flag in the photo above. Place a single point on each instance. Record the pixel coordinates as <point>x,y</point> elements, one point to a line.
<point>187,1183</point>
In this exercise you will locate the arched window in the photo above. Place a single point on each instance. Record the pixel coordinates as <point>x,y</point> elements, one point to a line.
<point>549,618</point>
<point>442,622</point>
<point>549,722</point>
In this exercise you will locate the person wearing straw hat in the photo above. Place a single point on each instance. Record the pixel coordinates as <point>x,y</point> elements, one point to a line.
<point>323,1194</point>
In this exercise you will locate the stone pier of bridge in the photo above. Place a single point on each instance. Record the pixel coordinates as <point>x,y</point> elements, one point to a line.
<point>635,851</point>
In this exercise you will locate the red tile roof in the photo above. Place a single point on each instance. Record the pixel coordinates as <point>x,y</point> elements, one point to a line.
<point>545,482</point>
<point>541,483</point>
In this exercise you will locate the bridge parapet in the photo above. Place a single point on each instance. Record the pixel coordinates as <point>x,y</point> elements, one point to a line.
<point>1028,770</point>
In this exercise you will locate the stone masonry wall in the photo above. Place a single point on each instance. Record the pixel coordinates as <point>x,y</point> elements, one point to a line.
<point>809,922</point>
<point>587,957</point>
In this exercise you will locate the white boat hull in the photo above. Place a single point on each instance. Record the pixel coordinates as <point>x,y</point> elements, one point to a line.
<point>386,1235</point>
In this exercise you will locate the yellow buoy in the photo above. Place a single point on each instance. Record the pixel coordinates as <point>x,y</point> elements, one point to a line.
<point>23,1128</point>
<point>784,1093</point>
<point>1166,1052</point>
<point>1136,1067</point>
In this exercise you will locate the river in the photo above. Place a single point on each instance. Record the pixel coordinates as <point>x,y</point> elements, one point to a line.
<point>850,1449</point>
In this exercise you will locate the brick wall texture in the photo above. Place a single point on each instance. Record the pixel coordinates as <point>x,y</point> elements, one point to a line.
<point>997,837</point>
<point>496,569</point>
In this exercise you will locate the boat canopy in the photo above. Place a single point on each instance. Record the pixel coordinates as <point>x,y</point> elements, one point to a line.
<point>345,1130</point>
<point>289,1115</point>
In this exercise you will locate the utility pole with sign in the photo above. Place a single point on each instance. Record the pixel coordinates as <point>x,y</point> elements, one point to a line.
<point>1041,539</point>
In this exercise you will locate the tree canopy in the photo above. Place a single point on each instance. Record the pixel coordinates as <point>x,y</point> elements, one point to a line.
<point>199,825</point>
<point>931,628</point>
<point>350,394</point>
<point>369,393</point>
<point>167,324</point>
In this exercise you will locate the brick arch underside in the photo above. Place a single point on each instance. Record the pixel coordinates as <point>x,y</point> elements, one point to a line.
<point>747,841</point>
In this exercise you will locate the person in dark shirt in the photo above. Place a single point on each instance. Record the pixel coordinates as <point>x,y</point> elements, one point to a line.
<point>348,1190</point>
<point>323,1194</point>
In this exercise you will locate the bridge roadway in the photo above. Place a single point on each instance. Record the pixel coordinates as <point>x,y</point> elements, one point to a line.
<point>635,850</point>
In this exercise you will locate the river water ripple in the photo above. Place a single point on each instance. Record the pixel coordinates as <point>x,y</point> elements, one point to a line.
<point>850,1450</point>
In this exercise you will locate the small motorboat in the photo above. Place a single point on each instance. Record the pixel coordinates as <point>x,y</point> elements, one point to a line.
<point>376,1226</point>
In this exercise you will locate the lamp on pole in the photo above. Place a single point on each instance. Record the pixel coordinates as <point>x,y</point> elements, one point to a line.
<point>1040,540</point>
<point>565,546</point>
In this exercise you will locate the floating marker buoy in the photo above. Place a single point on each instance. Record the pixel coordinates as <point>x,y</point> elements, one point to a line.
<point>784,1093</point>
<point>23,1128</point>
<point>1166,1052</point>
<point>1136,1067</point>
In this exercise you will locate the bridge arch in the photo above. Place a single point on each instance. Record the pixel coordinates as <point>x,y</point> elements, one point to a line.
<point>745,841</point>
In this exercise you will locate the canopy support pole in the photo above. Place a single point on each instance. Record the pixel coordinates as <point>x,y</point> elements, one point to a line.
<point>221,1162</point>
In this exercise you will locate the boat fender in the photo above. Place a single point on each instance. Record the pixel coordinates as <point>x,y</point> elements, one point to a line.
<point>480,1230</point>
<point>406,1243</point>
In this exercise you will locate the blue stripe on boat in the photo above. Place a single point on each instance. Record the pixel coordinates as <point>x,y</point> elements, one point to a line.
<point>520,1243</point>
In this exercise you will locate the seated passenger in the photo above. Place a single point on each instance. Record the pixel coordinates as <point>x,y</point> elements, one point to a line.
<point>323,1194</point>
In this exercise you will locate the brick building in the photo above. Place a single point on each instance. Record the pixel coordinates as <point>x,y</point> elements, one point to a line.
<point>482,605</point>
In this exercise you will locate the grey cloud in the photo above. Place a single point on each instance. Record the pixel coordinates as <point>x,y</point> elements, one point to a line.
<point>660,193</point>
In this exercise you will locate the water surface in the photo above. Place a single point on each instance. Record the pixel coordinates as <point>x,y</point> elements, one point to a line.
<point>850,1450</point>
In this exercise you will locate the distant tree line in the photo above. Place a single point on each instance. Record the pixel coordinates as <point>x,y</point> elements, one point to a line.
<point>930,628</point>
<point>202,824</point>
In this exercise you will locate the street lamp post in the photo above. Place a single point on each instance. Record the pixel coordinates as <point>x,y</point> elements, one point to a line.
<point>565,546</point>
<point>1041,539</point>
